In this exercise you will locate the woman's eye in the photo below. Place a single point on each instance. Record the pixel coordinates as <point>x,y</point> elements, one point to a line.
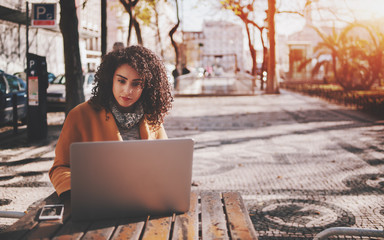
<point>121,81</point>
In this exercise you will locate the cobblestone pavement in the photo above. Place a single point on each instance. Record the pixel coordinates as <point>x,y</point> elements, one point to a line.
<point>301,164</point>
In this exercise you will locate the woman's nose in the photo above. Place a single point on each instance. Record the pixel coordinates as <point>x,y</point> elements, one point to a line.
<point>127,89</point>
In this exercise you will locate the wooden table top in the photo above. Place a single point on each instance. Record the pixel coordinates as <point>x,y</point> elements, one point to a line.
<point>212,215</point>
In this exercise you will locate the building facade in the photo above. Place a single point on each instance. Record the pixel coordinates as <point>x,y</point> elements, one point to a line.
<point>223,45</point>
<point>218,46</point>
<point>47,42</point>
<point>192,48</point>
<point>298,48</point>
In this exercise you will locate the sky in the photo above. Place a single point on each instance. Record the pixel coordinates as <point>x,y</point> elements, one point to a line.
<point>194,12</point>
<point>367,8</point>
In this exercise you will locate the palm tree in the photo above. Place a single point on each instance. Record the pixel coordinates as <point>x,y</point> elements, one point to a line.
<point>356,62</point>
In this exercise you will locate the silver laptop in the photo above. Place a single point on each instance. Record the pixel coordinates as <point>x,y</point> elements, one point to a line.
<point>119,179</point>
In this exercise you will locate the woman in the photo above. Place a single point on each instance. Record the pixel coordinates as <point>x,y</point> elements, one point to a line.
<point>130,100</point>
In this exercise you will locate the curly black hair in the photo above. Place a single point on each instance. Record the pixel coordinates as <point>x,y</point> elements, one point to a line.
<point>156,97</point>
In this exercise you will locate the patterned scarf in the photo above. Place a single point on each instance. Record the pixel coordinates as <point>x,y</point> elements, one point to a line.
<point>127,120</point>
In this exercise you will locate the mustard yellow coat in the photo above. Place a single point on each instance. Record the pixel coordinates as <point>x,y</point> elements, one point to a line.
<point>84,124</point>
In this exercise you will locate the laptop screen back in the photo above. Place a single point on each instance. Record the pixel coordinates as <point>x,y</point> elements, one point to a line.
<point>118,179</point>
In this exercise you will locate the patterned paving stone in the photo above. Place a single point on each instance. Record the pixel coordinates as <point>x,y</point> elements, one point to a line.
<point>301,164</point>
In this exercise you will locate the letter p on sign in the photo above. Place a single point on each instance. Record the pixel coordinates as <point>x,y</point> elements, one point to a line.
<point>43,14</point>
<point>40,11</point>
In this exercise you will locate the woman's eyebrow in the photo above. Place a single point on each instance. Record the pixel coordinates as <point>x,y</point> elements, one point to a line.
<point>136,79</point>
<point>121,76</point>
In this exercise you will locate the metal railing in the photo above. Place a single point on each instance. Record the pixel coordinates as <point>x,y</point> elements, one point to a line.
<point>347,231</point>
<point>11,214</point>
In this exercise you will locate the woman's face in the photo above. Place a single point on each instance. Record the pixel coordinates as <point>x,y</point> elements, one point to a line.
<point>126,87</point>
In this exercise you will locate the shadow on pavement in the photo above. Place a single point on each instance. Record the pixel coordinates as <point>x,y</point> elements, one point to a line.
<point>11,140</point>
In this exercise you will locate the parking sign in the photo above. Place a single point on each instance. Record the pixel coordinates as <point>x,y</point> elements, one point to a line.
<point>43,15</point>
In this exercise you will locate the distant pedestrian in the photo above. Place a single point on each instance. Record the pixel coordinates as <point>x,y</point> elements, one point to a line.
<point>118,46</point>
<point>185,70</point>
<point>130,100</point>
<point>175,75</point>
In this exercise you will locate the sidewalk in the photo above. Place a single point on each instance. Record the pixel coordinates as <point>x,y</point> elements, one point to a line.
<point>300,163</point>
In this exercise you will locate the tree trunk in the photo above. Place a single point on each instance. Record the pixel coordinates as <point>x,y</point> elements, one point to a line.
<point>136,25</point>
<point>158,36</point>
<point>174,44</point>
<point>103,27</point>
<point>252,50</point>
<point>129,30</point>
<point>73,70</point>
<point>130,7</point>
<point>265,51</point>
<point>272,87</point>
<point>264,66</point>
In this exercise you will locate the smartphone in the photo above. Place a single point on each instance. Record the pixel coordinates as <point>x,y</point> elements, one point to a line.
<point>52,212</point>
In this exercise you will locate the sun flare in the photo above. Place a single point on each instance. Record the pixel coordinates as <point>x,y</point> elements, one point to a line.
<point>367,9</point>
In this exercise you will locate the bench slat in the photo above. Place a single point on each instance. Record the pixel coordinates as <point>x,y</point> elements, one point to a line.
<point>158,228</point>
<point>187,225</point>
<point>72,230</point>
<point>240,224</point>
<point>129,229</point>
<point>44,230</point>
<point>212,217</point>
<point>100,230</point>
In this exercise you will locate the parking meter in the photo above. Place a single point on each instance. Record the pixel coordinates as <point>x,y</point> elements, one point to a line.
<point>37,83</point>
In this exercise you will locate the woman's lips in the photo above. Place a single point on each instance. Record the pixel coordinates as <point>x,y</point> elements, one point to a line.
<point>126,99</point>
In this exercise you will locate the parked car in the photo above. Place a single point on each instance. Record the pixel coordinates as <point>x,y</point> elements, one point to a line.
<point>10,85</point>
<point>56,89</point>
<point>22,75</point>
